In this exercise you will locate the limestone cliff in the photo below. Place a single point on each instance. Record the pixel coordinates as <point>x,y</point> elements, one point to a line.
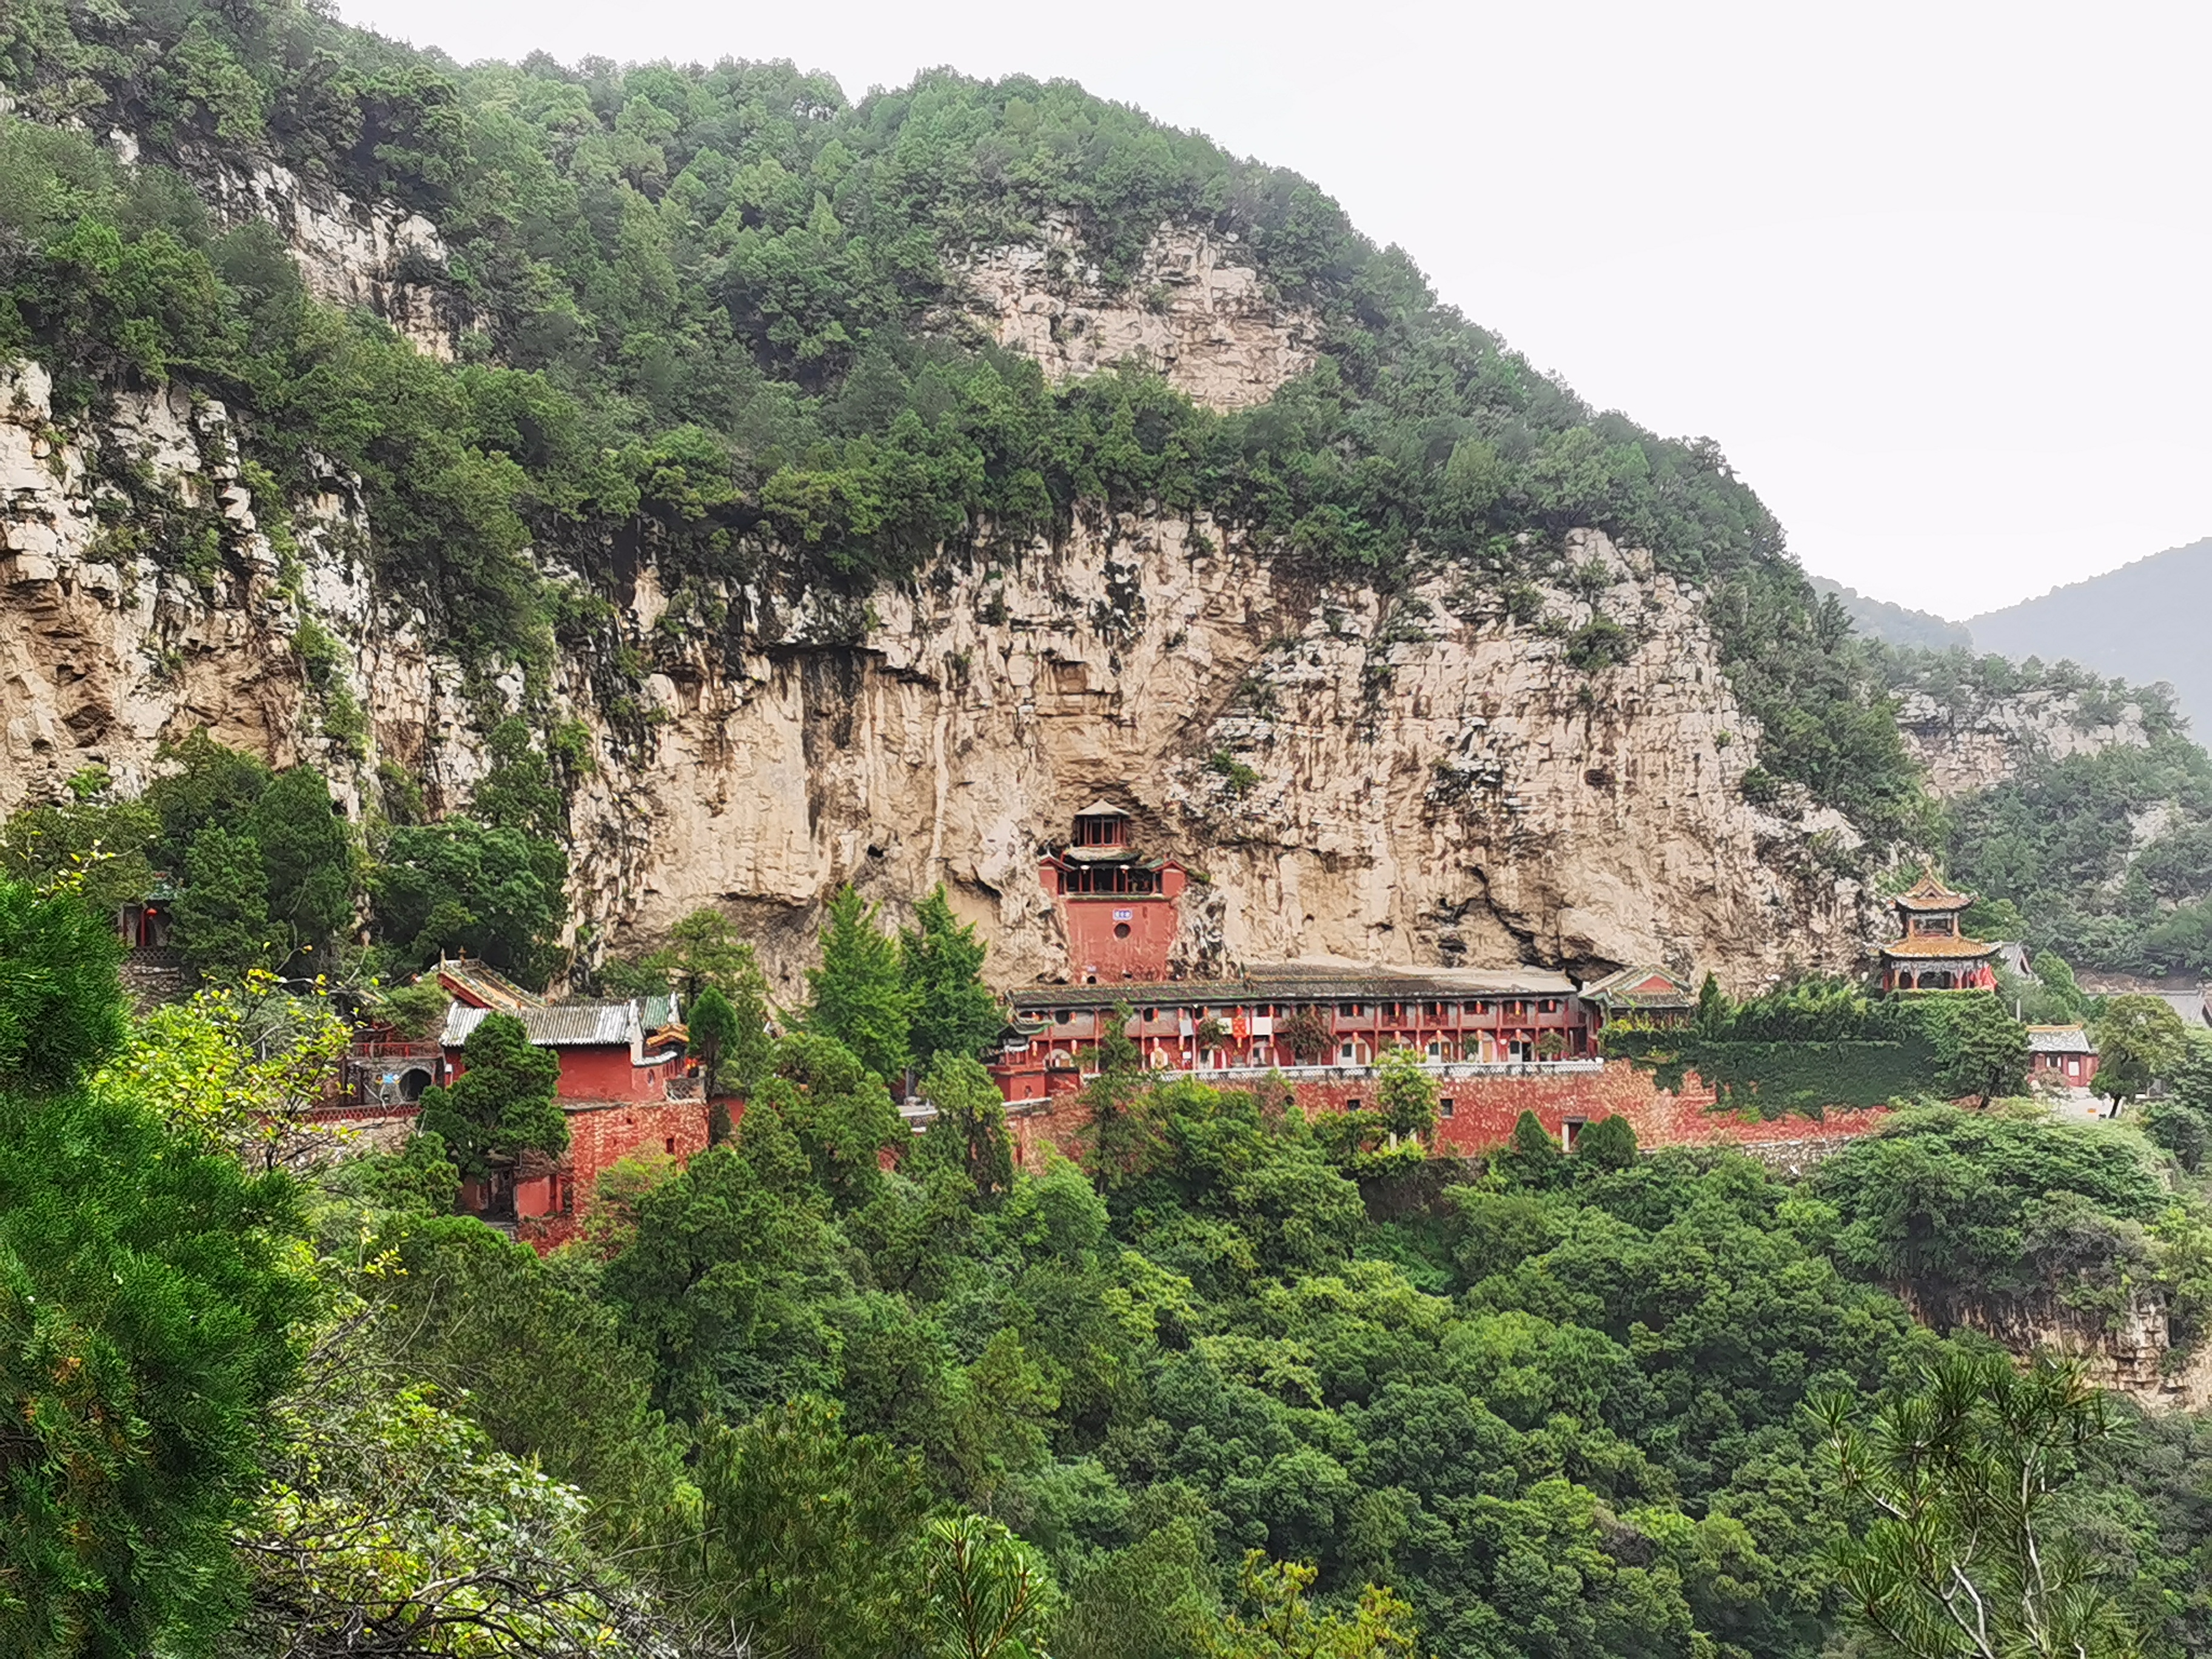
<point>1193,312</point>
<point>2131,1351</point>
<point>1987,739</point>
<point>1406,777</point>
<point>1402,776</point>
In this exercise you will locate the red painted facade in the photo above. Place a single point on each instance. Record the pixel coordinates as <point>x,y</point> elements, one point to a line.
<point>604,1074</point>
<point>550,1206</point>
<point>1113,938</point>
<point>1119,911</point>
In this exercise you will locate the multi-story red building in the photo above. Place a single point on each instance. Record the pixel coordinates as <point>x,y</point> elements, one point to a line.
<point>1933,952</point>
<point>1117,908</point>
<point>1321,1027</point>
<point>1296,1018</point>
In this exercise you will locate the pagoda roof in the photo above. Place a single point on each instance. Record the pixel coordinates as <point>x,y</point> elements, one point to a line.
<point>479,986</point>
<point>1929,894</point>
<point>1936,947</point>
<point>1102,808</point>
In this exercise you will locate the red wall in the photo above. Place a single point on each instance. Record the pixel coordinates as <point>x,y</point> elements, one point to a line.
<point>600,1137</point>
<point>1093,951</point>
<point>1484,1110</point>
<point>606,1073</point>
<point>2053,1066</point>
<point>598,1073</point>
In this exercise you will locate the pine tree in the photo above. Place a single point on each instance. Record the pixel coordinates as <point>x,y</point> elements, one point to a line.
<point>222,914</point>
<point>147,1298</point>
<point>954,1012</point>
<point>860,996</point>
<point>1533,1157</point>
<point>1608,1144</point>
<point>502,1105</point>
<point>305,856</point>
<point>730,1042</point>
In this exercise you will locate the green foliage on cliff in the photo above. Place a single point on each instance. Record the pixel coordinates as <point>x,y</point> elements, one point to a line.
<point>2105,856</point>
<point>724,305</point>
<point>1820,1043</point>
<point>2108,855</point>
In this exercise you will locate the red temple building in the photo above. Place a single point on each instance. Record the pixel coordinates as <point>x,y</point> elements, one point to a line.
<point>1117,908</point>
<point>2060,1056</point>
<point>1497,1041</point>
<point>624,1087</point>
<point>1298,1018</point>
<point>1933,953</point>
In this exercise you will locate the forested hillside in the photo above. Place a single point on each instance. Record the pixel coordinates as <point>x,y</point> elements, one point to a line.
<point>2095,821</point>
<point>719,310</point>
<point>691,367</point>
<point>1238,1386</point>
<point>2142,620</point>
<point>1894,624</point>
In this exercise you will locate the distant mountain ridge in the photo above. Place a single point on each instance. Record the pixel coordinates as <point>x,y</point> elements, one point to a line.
<point>2144,622</point>
<point>1894,624</point>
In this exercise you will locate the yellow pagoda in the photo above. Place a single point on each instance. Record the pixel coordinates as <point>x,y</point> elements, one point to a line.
<point>1933,953</point>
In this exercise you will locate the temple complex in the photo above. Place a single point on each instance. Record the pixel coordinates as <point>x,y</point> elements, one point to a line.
<point>1496,1040</point>
<point>1933,953</point>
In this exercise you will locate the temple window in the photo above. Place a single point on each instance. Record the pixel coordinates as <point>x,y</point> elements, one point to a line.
<point>1101,831</point>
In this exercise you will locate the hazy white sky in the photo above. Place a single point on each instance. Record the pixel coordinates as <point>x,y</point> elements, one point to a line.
<point>1934,274</point>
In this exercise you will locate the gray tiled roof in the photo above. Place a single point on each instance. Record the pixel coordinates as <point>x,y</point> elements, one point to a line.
<point>2059,1040</point>
<point>1290,981</point>
<point>560,1024</point>
<point>1624,986</point>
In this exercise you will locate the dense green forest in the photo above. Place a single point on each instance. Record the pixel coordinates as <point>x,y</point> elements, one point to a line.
<point>2106,857</point>
<point>1236,1386</point>
<point>716,310</point>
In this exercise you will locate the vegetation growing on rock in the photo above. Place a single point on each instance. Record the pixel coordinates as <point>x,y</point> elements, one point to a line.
<point>720,308</point>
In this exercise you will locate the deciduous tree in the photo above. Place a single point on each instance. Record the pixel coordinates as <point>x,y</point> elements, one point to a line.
<point>2139,1040</point>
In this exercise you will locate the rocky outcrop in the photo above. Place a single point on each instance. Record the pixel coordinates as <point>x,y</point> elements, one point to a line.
<point>1406,777</point>
<point>1989,740</point>
<point>2131,1352</point>
<point>1193,312</point>
<point>349,252</point>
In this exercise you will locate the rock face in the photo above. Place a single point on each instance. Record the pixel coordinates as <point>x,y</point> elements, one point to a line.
<point>2131,1352</point>
<point>1405,778</point>
<point>1409,777</point>
<point>1970,748</point>
<point>1193,313</point>
<point>348,252</point>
